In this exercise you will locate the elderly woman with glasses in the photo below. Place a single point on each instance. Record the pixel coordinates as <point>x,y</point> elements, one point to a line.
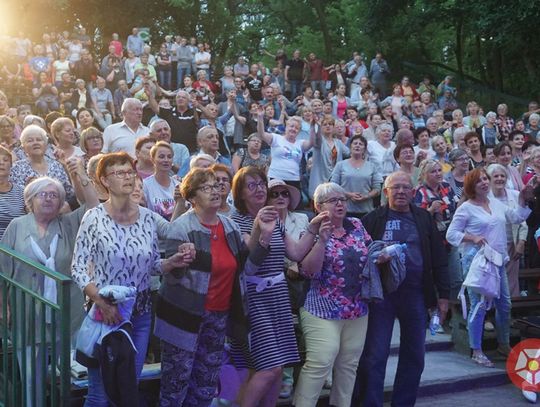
<point>333,317</point>
<point>251,155</point>
<point>267,293</point>
<point>117,245</point>
<point>91,143</point>
<point>37,163</point>
<point>224,178</point>
<point>202,302</point>
<point>46,236</point>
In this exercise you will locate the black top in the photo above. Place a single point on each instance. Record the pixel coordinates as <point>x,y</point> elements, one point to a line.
<point>436,280</point>
<point>183,126</point>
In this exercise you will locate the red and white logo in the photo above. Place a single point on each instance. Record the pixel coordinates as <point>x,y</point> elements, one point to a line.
<point>523,365</point>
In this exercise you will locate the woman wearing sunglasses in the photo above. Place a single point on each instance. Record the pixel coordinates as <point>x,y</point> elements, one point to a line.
<point>333,317</point>
<point>267,292</point>
<point>285,199</point>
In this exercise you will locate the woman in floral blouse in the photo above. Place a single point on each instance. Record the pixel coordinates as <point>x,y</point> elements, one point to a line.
<point>333,318</point>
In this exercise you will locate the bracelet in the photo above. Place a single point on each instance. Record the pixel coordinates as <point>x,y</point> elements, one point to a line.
<point>310,232</point>
<point>84,183</point>
<point>263,243</point>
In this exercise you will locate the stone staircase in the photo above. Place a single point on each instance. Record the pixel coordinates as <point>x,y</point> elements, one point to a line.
<point>447,373</point>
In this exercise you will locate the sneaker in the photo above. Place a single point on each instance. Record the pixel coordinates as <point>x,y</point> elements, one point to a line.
<point>530,396</point>
<point>439,330</point>
<point>524,293</point>
<point>488,326</point>
<point>286,390</point>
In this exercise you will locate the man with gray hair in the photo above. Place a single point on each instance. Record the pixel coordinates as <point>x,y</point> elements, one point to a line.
<point>122,136</point>
<point>182,118</point>
<point>161,131</point>
<point>426,285</point>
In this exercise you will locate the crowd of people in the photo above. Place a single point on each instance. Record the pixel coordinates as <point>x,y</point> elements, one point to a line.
<point>233,202</point>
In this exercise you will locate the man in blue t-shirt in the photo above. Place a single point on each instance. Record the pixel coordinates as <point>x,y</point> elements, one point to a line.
<point>425,286</point>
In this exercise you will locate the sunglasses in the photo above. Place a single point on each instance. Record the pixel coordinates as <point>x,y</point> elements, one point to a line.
<point>276,194</point>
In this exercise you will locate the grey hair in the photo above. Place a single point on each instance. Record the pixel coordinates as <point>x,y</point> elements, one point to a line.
<point>32,130</point>
<point>458,132</point>
<point>394,175</point>
<point>457,110</point>
<point>156,122</point>
<point>435,139</point>
<point>534,116</point>
<point>432,119</point>
<point>384,126</point>
<point>426,166</point>
<point>182,92</point>
<point>31,118</point>
<point>80,81</point>
<point>196,158</point>
<point>92,165</point>
<point>535,151</point>
<point>491,168</point>
<point>129,101</point>
<point>491,114</point>
<point>325,189</point>
<point>38,185</point>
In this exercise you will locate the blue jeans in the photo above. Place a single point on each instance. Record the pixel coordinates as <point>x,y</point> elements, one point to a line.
<point>296,88</point>
<point>141,334</point>
<point>319,85</point>
<point>180,73</point>
<point>503,304</point>
<point>165,79</point>
<point>407,305</point>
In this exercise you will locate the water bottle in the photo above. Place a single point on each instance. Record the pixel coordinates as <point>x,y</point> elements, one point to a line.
<point>395,250</point>
<point>434,323</point>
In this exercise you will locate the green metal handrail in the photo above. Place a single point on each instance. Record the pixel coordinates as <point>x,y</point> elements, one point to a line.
<point>31,348</point>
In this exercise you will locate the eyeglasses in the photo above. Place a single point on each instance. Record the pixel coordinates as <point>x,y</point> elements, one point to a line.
<point>94,138</point>
<point>276,194</point>
<point>223,180</point>
<point>335,200</point>
<point>121,174</point>
<point>404,188</point>
<point>252,186</point>
<point>208,188</point>
<point>6,126</point>
<point>48,195</point>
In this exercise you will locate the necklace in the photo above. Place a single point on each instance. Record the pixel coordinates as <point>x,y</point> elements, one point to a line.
<point>213,230</point>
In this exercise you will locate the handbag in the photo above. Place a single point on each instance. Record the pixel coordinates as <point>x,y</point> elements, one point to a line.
<point>483,278</point>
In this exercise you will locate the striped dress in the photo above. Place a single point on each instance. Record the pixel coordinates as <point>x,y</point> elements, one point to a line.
<point>272,341</point>
<point>11,206</point>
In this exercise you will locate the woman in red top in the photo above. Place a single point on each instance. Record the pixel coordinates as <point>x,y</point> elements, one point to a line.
<point>202,84</point>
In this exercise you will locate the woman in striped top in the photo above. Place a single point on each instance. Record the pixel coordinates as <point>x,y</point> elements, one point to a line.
<point>11,195</point>
<point>272,341</point>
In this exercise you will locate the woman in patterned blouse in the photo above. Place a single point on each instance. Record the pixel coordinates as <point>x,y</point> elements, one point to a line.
<point>333,318</point>
<point>117,245</point>
<point>38,164</point>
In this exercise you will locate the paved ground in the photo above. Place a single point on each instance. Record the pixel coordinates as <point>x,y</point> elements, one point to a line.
<point>501,396</point>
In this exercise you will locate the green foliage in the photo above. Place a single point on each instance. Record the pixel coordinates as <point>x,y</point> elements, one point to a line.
<point>487,41</point>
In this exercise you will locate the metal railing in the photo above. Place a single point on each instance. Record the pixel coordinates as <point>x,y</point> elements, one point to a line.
<point>34,338</point>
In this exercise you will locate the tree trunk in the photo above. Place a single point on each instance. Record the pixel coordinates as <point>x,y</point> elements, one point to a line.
<point>479,59</point>
<point>319,9</point>
<point>459,46</point>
